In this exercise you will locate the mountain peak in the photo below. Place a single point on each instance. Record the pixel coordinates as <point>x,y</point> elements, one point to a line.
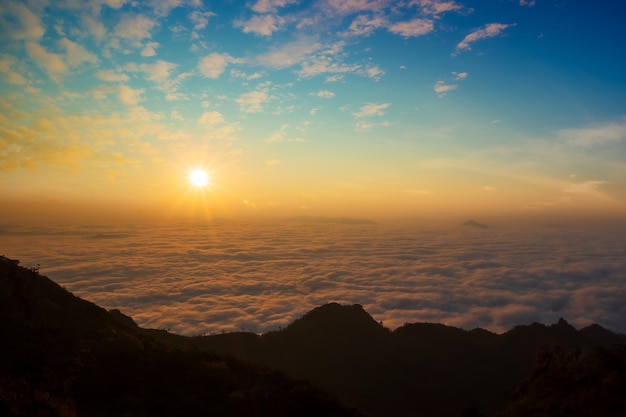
<point>337,319</point>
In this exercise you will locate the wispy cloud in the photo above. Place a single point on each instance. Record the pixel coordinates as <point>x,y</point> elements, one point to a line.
<point>488,31</point>
<point>263,25</point>
<point>355,6</point>
<point>19,22</point>
<point>200,19</point>
<point>76,53</point>
<point>134,28</point>
<point>150,49</point>
<point>435,7</point>
<point>51,62</point>
<point>460,75</point>
<point>587,187</point>
<point>442,88</point>
<point>412,28</point>
<point>214,64</point>
<point>289,54</point>
<point>253,101</point>
<point>112,75</point>
<point>323,94</point>
<point>130,96</point>
<point>364,25</point>
<point>12,70</point>
<point>211,118</point>
<point>265,6</point>
<point>278,136</point>
<point>603,134</point>
<point>372,109</point>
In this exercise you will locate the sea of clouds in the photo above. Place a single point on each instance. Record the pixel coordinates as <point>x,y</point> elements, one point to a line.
<point>260,276</point>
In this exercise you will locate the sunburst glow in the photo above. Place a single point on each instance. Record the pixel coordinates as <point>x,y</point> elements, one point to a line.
<point>199,177</point>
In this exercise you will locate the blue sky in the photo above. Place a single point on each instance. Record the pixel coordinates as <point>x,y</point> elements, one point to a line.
<point>357,107</point>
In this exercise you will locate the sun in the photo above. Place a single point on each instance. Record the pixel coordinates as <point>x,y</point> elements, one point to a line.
<point>199,177</point>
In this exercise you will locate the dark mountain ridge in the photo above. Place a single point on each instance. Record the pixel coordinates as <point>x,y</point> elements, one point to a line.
<point>66,356</point>
<point>63,356</point>
<point>418,369</point>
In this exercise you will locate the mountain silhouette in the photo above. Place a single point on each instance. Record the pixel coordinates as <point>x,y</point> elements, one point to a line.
<point>418,369</point>
<point>64,356</point>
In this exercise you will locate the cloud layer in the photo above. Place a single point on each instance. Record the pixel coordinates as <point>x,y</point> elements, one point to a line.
<point>196,279</point>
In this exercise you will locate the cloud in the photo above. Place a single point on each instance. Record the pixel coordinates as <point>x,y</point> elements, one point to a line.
<point>460,75</point>
<point>272,162</point>
<point>240,74</point>
<point>587,187</point>
<point>11,70</point>
<point>163,7</point>
<point>489,31</point>
<point>435,7</point>
<point>323,64</point>
<point>277,136</point>
<point>252,102</point>
<point>214,64</point>
<point>18,22</point>
<point>150,49</point>
<point>58,142</point>
<point>263,25</point>
<point>412,28</point>
<point>374,72</point>
<point>597,135</point>
<point>134,28</point>
<point>355,6</point>
<point>529,3</point>
<point>211,118</point>
<point>364,25</point>
<point>323,94</point>
<point>371,109</point>
<point>363,126</point>
<point>442,88</point>
<point>200,19</point>
<point>130,96</point>
<point>76,54</point>
<point>52,63</point>
<point>265,6</point>
<point>159,72</point>
<point>111,75</point>
<point>264,277</point>
<point>94,27</point>
<point>289,54</point>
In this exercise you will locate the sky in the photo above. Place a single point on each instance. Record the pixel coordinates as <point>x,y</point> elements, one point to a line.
<point>358,108</point>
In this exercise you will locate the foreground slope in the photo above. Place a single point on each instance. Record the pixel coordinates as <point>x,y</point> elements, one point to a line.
<point>61,355</point>
<point>64,356</point>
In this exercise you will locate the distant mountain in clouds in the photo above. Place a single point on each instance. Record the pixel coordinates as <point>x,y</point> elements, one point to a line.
<point>472,223</point>
<point>64,356</point>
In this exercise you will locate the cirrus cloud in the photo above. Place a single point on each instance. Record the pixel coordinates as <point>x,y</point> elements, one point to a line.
<point>488,31</point>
